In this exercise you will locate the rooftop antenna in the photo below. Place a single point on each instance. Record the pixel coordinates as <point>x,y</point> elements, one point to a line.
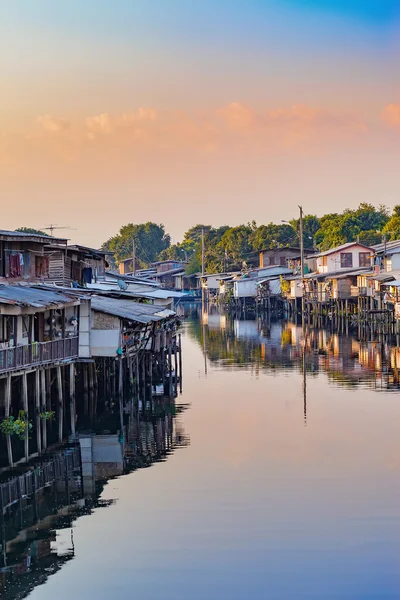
<point>52,227</point>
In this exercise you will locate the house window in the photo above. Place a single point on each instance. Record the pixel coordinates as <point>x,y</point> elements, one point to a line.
<point>283,261</point>
<point>364,259</point>
<point>346,260</point>
<point>324,261</point>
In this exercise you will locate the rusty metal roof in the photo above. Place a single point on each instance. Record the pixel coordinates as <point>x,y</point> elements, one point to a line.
<point>130,310</point>
<point>28,237</point>
<point>22,295</point>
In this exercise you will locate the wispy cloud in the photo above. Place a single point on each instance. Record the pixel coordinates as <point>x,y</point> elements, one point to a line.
<point>391,115</point>
<point>137,135</point>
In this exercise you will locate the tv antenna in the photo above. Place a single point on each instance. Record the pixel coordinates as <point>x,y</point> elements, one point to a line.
<point>53,226</point>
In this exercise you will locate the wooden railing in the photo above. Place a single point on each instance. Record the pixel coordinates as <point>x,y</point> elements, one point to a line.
<point>61,466</point>
<point>38,353</point>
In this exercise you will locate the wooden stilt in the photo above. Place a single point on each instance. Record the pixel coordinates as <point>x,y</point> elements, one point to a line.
<point>170,370</point>
<point>180,363</point>
<point>85,388</point>
<point>26,412</point>
<point>7,414</point>
<point>43,397</point>
<point>60,404</point>
<point>37,412</point>
<point>72,406</point>
<point>121,395</point>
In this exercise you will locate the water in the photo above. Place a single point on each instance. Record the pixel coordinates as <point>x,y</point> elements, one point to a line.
<point>287,485</point>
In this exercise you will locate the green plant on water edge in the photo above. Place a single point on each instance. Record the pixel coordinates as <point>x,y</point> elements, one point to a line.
<point>16,426</point>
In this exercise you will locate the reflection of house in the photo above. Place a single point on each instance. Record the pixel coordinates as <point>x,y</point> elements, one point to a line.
<point>23,255</point>
<point>348,256</point>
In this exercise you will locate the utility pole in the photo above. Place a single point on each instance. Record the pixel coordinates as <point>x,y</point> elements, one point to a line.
<point>384,251</point>
<point>302,262</point>
<point>301,244</point>
<point>133,257</point>
<point>202,268</point>
<point>202,251</point>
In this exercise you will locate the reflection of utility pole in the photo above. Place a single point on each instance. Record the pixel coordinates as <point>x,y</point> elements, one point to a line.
<point>204,350</point>
<point>305,384</point>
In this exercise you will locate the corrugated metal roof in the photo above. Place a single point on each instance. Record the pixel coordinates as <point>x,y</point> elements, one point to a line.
<point>393,245</point>
<point>31,296</point>
<point>129,309</point>
<point>339,249</point>
<point>386,276</point>
<point>395,283</point>
<point>36,237</point>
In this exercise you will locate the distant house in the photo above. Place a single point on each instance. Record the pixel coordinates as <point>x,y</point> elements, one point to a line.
<point>24,256</point>
<point>278,256</point>
<point>75,264</point>
<point>388,255</point>
<point>125,267</point>
<point>348,256</point>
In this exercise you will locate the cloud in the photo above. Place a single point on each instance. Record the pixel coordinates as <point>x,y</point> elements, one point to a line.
<point>146,135</point>
<point>391,115</point>
<point>55,125</point>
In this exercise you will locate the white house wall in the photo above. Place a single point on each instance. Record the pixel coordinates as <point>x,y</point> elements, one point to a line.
<point>333,260</point>
<point>245,288</point>
<point>105,342</point>
<point>84,329</point>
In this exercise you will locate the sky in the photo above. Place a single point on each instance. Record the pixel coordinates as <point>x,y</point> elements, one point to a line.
<point>177,112</point>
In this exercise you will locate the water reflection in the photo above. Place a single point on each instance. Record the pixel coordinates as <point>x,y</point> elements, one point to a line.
<point>270,347</point>
<point>38,538</point>
<point>258,505</point>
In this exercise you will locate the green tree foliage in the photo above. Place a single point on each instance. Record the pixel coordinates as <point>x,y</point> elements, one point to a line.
<point>392,228</point>
<point>32,230</point>
<point>174,252</point>
<point>345,227</point>
<point>235,244</point>
<point>150,241</point>
<point>272,236</point>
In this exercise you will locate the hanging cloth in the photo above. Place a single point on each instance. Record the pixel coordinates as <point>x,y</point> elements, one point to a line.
<point>15,266</point>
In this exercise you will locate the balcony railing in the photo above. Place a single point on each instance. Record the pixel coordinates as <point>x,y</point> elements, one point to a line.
<point>38,353</point>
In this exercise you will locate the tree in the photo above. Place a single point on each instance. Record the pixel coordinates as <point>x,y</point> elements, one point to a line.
<point>32,230</point>
<point>272,236</point>
<point>392,228</point>
<point>236,244</point>
<point>337,229</point>
<point>150,240</point>
<point>174,252</point>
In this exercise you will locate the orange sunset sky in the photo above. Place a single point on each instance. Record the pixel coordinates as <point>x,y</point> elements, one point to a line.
<point>184,112</point>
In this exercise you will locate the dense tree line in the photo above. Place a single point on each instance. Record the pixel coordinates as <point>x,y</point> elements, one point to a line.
<point>235,247</point>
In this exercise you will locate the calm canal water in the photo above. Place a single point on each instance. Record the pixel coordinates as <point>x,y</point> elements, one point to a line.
<point>287,485</point>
